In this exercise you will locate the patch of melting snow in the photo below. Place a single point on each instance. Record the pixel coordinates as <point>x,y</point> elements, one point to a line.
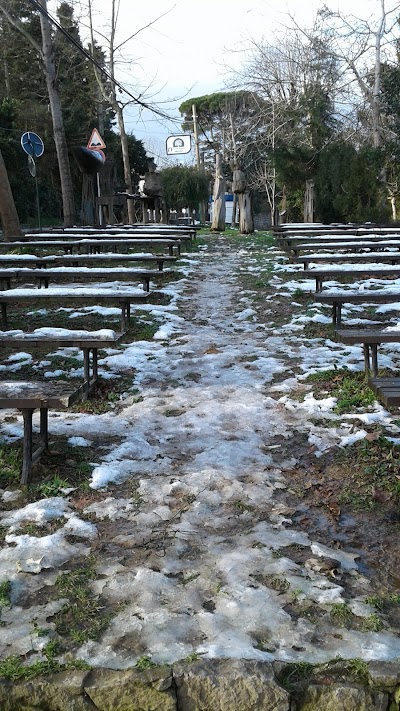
<point>202,448</point>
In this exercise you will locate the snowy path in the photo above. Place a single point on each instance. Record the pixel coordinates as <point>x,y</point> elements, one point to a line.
<point>192,538</point>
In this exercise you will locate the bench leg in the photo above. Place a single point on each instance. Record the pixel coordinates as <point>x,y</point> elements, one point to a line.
<point>160,265</point>
<point>4,323</point>
<point>94,364</point>
<point>44,427</point>
<point>124,319</point>
<point>337,315</point>
<point>367,366</point>
<point>146,284</point>
<point>86,373</point>
<point>374,352</point>
<point>318,284</point>
<point>27,446</point>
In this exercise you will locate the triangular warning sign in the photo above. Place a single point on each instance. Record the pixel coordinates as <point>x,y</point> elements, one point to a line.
<point>95,141</point>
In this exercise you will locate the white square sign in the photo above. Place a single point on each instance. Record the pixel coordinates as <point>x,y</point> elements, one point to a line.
<point>177,145</point>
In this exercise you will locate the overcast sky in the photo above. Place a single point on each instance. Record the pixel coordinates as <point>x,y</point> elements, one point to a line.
<point>185,53</point>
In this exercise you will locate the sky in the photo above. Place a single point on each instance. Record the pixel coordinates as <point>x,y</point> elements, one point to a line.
<point>187,52</point>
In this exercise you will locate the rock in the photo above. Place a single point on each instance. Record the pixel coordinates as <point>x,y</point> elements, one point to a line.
<point>149,690</point>
<point>384,675</point>
<point>227,685</point>
<point>59,692</point>
<point>343,698</point>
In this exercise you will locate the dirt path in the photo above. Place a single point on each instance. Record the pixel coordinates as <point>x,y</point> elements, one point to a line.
<point>205,544</point>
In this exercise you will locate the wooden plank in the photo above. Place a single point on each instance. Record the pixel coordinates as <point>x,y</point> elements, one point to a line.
<point>367,336</point>
<point>22,394</point>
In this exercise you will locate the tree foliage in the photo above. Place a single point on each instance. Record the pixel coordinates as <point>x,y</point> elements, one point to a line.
<point>184,187</point>
<point>24,105</point>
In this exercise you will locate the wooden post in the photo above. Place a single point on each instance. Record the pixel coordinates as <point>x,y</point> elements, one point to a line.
<point>27,448</point>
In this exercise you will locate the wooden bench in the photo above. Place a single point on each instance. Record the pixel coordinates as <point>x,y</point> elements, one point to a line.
<point>95,246</point>
<point>287,243</point>
<point>88,341</point>
<point>338,298</point>
<point>344,245</point>
<point>387,390</point>
<point>120,297</point>
<point>389,257</point>
<point>322,275</point>
<point>28,397</point>
<point>158,230</point>
<point>20,261</point>
<point>370,339</point>
<point>44,276</point>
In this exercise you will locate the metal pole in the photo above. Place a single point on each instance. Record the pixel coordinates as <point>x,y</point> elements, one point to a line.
<point>38,202</point>
<point>98,195</point>
<point>196,137</point>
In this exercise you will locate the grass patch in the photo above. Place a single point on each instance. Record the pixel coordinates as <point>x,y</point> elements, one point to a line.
<point>5,594</point>
<point>84,616</point>
<point>10,464</point>
<point>341,615</point>
<point>14,669</point>
<point>384,602</point>
<point>350,389</point>
<point>373,467</point>
<point>144,663</point>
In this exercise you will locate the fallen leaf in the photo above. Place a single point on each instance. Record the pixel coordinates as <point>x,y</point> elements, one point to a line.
<point>371,436</point>
<point>381,496</point>
<point>334,509</point>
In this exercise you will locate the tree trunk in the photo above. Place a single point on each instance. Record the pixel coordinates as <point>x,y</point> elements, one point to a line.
<point>309,202</point>
<point>219,210</point>
<point>246,224</point>
<point>58,124</point>
<point>125,159</point>
<point>8,213</point>
<point>234,209</point>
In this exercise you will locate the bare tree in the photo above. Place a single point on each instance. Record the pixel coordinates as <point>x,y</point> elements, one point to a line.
<point>108,87</point>
<point>287,79</point>
<point>46,54</point>
<point>360,46</point>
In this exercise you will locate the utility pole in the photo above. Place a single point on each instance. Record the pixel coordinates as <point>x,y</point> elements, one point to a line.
<point>196,136</point>
<point>202,207</point>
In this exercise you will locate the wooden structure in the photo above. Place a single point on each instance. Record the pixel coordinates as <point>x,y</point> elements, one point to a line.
<point>28,397</point>
<point>45,276</point>
<point>118,297</point>
<point>321,275</point>
<point>338,298</point>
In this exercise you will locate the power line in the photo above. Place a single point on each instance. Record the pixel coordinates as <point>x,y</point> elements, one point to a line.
<point>94,61</point>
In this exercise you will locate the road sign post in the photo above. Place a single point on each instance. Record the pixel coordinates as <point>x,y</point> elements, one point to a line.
<point>33,145</point>
<point>96,143</point>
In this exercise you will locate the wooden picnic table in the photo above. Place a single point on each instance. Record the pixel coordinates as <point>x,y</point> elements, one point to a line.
<point>322,275</point>
<point>30,396</point>
<point>94,246</point>
<point>390,257</point>
<point>125,229</point>
<point>286,242</point>
<point>338,298</point>
<point>120,297</point>
<point>345,245</point>
<point>31,260</point>
<point>89,342</point>
<point>325,230</point>
<point>44,276</point>
<point>370,340</point>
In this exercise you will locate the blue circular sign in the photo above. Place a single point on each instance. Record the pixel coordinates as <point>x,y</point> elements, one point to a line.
<point>32,144</point>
